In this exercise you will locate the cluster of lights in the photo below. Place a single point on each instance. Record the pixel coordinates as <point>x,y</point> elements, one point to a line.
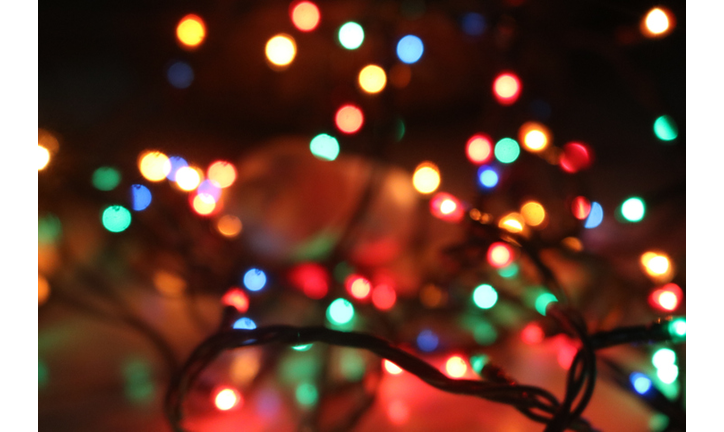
<point>573,157</point>
<point>664,360</point>
<point>155,166</point>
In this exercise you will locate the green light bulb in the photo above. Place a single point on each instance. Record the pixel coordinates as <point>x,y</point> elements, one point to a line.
<point>324,147</point>
<point>340,312</point>
<point>106,178</point>
<point>485,296</point>
<point>677,329</point>
<point>306,394</point>
<point>305,347</point>
<point>542,302</point>
<point>507,150</point>
<point>665,128</point>
<point>633,209</point>
<point>116,218</point>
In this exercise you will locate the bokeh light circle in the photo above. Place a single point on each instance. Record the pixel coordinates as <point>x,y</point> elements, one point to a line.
<point>410,49</point>
<point>116,218</point>
<point>154,165</point>
<point>191,31</point>
<point>372,79</point>
<point>426,178</point>
<point>351,35</point>
<point>305,16</point>
<point>280,50</point>
<point>507,150</point>
<point>325,147</point>
<point>349,119</point>
<point>506,88</point>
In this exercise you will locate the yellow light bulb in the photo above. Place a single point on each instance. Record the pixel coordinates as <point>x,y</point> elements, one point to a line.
<point>43,156</point>
<point>426,178</point>
<point>372,79</point>
<point>281,50</point>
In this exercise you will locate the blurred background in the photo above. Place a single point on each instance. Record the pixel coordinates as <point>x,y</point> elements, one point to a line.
<point>318,163</point>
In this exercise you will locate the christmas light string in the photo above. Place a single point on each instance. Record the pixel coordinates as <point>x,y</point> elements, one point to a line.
<point>532,402</point>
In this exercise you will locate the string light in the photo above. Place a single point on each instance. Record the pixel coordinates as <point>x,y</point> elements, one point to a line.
<point>633,209</point>
<point>533,213</point>
<point>226,398</point>
<point>237,298</point>
<point>116,218</point>
<point>106,178</point>
<point>427,341</point>
<point>507,150</point>
<point>668,373</point>
<point>222,172</point>
<point>180,75</point>
<point>140,197</point>
<point>677,329</point>
<point>254,279</point>
<point>42,157</point>
<point>426,178</point>
<point>446,207</point>
<point>487,177</point>
<point>203,204</point>
<point>485,296</point>
<point>595,217</point>
<point>384,297</point>
<point>575,157</point>
<point>229,226</point>
<point>391,368</point>
<point>532,334</point>
<point>473,24</point>
<point>542,302</point>
<point>358,286</point>
<point>191,31</point>
<point>340,312</point>
<point>512,222</point>
<point>506,88</point>
<point>658,22</point>
<point>280,50</point>
<point>500,255</point>
<point>410,49</point>
<point>244,323</point>
<point>351,35</point>
<point>169,284</point>
<point>456,367</point>
<point>534,136</point>
<point>306,394</point>
<point>305,347</point>
<point>656,265</point>
<point>177,162</point>
<point>349,119</point>
<point>310,278</point>
<point>43,290</point>
<point>305,16</point>
<point>325,147</point>
<point>641,383</point>
<point>580,207</point>
<point>665,128</point>
<point>188,178</point>
<point>479,149</point>
<point>667,297</point>
<point>211,188</point>
<point>154,165</point>
<point>372,79</point>
<point>663,357</point>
